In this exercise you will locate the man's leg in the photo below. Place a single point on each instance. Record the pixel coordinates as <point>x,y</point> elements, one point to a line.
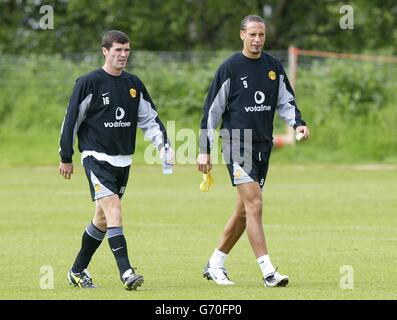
<point>111,205</point>
<point>233,230</point>
<point>234,227</point>
<point>91,240</point>
<point>99,219</point>
<point>251,195</point>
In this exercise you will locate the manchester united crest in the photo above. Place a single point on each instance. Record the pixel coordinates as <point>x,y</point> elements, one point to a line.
<point>272,75</point>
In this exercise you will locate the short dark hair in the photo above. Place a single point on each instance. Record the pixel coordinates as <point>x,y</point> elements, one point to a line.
<point>114,36</point>
<point>250,18</point>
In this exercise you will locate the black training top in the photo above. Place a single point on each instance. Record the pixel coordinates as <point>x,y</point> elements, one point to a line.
<point>104,111</point>
<point>245,94</point>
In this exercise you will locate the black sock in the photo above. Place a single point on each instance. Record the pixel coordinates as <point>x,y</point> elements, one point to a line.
<point>92,238</point>
<point>118,245</point>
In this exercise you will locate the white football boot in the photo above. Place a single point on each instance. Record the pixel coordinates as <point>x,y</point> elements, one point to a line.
<point>218,275</point>
<point>275,279</point>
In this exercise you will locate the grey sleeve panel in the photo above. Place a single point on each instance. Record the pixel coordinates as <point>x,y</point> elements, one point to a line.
<point>286,103</point>
<point>217,109</point>
<point>147,122</point>
<point>83,109</point>
<point>70,126</point>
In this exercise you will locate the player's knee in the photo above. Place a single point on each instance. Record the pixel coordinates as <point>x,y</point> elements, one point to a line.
<point>114,213</point>
<point>254,205</point>
<point>101,221</point>
<point>114,220</point>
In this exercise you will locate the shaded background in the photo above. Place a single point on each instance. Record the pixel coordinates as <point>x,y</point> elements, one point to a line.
<point>180,25</point>
<point>177,45</point>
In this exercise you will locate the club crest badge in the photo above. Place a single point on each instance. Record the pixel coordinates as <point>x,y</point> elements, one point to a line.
<point>133,92</point>
<point>272,75</point>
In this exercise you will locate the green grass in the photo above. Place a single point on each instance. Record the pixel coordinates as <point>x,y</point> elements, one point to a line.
<point>40,147</point>
<point>317,219</point>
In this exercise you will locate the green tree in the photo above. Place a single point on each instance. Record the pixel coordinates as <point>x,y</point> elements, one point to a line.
<point>314,24</point>
<point>180,25</point>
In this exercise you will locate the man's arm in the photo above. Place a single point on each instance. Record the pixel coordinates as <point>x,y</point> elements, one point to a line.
<point>214,108</point>
<point>151,125</point>
<point>77,108</point>
<point>287,108</point>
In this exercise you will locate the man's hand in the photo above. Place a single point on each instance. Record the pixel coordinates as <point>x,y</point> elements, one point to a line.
<point>170,155</point>
<point>66,170</point>
<point>204,163</point>
<point>302,133</point>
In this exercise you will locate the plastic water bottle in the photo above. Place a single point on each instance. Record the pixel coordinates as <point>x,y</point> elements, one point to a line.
<point>167,166</point>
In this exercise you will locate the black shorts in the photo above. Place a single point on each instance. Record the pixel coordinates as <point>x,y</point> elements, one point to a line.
<point>249,168</point>
<point>105,179</point>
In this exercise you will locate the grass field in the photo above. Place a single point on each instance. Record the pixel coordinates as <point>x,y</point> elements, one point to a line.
<point>317,219</point>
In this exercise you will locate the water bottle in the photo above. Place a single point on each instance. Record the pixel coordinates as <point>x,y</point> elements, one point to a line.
<point>167,166</point>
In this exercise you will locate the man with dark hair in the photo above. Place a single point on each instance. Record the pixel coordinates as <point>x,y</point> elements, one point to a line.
<point>247,90</point>
<point>113,36</point>
<point>106,107</point>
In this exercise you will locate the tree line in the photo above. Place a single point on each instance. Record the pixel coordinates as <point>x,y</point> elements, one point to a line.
<point>184,25</point>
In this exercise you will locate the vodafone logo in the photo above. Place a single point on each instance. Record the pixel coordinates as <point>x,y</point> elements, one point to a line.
<point>259,97</point>
<point>120,113</point>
